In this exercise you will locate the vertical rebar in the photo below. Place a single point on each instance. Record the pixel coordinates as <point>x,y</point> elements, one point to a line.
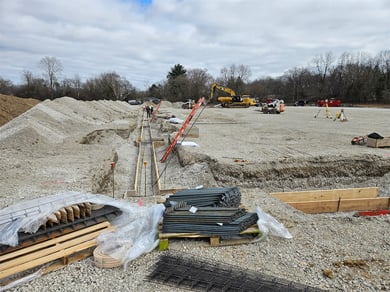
<point>145,163</point>
<point>113,180</point>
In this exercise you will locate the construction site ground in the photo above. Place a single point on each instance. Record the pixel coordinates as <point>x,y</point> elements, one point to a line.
<point>68,145</point>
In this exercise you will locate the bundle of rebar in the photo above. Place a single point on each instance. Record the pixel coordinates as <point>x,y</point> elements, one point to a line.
<point>203,215</point>
<point>225,222</point>
<point>199,275</point>
<point>212,197</point>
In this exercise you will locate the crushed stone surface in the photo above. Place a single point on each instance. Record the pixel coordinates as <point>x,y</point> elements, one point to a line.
<point>68,145</point>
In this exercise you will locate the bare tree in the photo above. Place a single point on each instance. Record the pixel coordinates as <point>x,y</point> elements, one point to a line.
<point>5,86</point>
<point>76,82</point>
<point>199,81</point>
<point>244,73</point>
<point>322,64</point>
<point>299,84</point>
<point>51,67</point>
<point>28,78</point>
<point>235,77</point>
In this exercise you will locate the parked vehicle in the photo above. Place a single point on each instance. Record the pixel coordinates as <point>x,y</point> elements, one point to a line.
<point>274,107</point>
<point>188,104</point>
<point>134,102</point>
<point>300,102</point>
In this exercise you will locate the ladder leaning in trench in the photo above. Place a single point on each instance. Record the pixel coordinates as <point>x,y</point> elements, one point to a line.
<point>182,129</point>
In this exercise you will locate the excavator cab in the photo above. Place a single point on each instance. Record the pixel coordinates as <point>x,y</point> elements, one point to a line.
<point>237,98</point>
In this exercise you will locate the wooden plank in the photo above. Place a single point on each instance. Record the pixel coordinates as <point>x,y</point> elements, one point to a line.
<point>169,191</point>
<point>344,205</point>
<point>214,240</point>
<point>364,204</point>
<point>70,259</point>
<point>46,259</point>
<point>49,254</point>
<point>236,241</point>
<point>53,266</point>
<point>53,234</point>
<point>56,240</point>
<point>321,195</point>
<point>313,207</point>
<point>59,245</point>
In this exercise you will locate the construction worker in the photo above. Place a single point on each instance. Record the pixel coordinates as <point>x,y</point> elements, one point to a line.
<point>148,111</point>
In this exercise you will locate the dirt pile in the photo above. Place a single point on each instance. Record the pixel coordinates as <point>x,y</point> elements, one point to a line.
<point>65,144</point>
<point>12,106</point>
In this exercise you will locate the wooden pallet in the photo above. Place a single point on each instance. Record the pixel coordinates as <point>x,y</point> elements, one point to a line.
<point>336,200</point>
<point>56,252</point>
<point>246,237</point>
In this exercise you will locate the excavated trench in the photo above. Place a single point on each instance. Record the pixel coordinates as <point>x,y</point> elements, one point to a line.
<point>287,174</point>
<point>293,174</point>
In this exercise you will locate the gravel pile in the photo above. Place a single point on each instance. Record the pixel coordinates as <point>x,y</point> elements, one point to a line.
<point>42,154</point>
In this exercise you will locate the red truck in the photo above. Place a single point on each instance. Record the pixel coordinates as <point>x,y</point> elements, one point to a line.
<point>332,102</point>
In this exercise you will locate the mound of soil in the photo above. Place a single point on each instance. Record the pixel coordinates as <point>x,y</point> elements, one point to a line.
<point>12,106</point>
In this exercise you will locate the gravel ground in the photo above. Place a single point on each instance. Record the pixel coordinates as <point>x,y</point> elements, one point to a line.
<point>67,145</point>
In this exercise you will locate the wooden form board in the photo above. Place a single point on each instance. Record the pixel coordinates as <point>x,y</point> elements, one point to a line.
<point>321,195</point>
<point>337,200</point>
<point>45,252</point>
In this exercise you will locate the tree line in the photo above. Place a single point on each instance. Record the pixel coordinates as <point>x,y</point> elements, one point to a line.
<point>353,78</point>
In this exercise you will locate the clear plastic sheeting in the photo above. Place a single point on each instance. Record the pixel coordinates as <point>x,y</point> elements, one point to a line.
<point>188,143</point>
<point>269,225</point>
<point>176,121</point>
<point>28,216</point>
<point>136,233</point>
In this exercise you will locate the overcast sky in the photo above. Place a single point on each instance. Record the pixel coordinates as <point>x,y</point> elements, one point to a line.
<point>143,40</point>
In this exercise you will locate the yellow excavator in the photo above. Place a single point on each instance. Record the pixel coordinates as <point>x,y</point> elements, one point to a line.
<point>233,100</point>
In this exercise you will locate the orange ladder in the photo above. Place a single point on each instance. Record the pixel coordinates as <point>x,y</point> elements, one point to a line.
<point>182,129</point>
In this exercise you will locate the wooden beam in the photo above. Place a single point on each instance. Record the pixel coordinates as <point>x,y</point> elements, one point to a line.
<point>46,259</point>
<point>372,204</point>
<point>54,249</point>
<point>342,205</point>
<point>313,207</point>
<point>170,191</point>
<point>54,241</point>
<point>321,195</point>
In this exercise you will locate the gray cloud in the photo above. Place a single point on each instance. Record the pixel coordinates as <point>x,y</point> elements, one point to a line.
<point>142,43</point>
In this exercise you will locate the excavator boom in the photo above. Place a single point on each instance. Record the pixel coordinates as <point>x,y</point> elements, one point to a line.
<point>233,100</point>
<point>216,86</point>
